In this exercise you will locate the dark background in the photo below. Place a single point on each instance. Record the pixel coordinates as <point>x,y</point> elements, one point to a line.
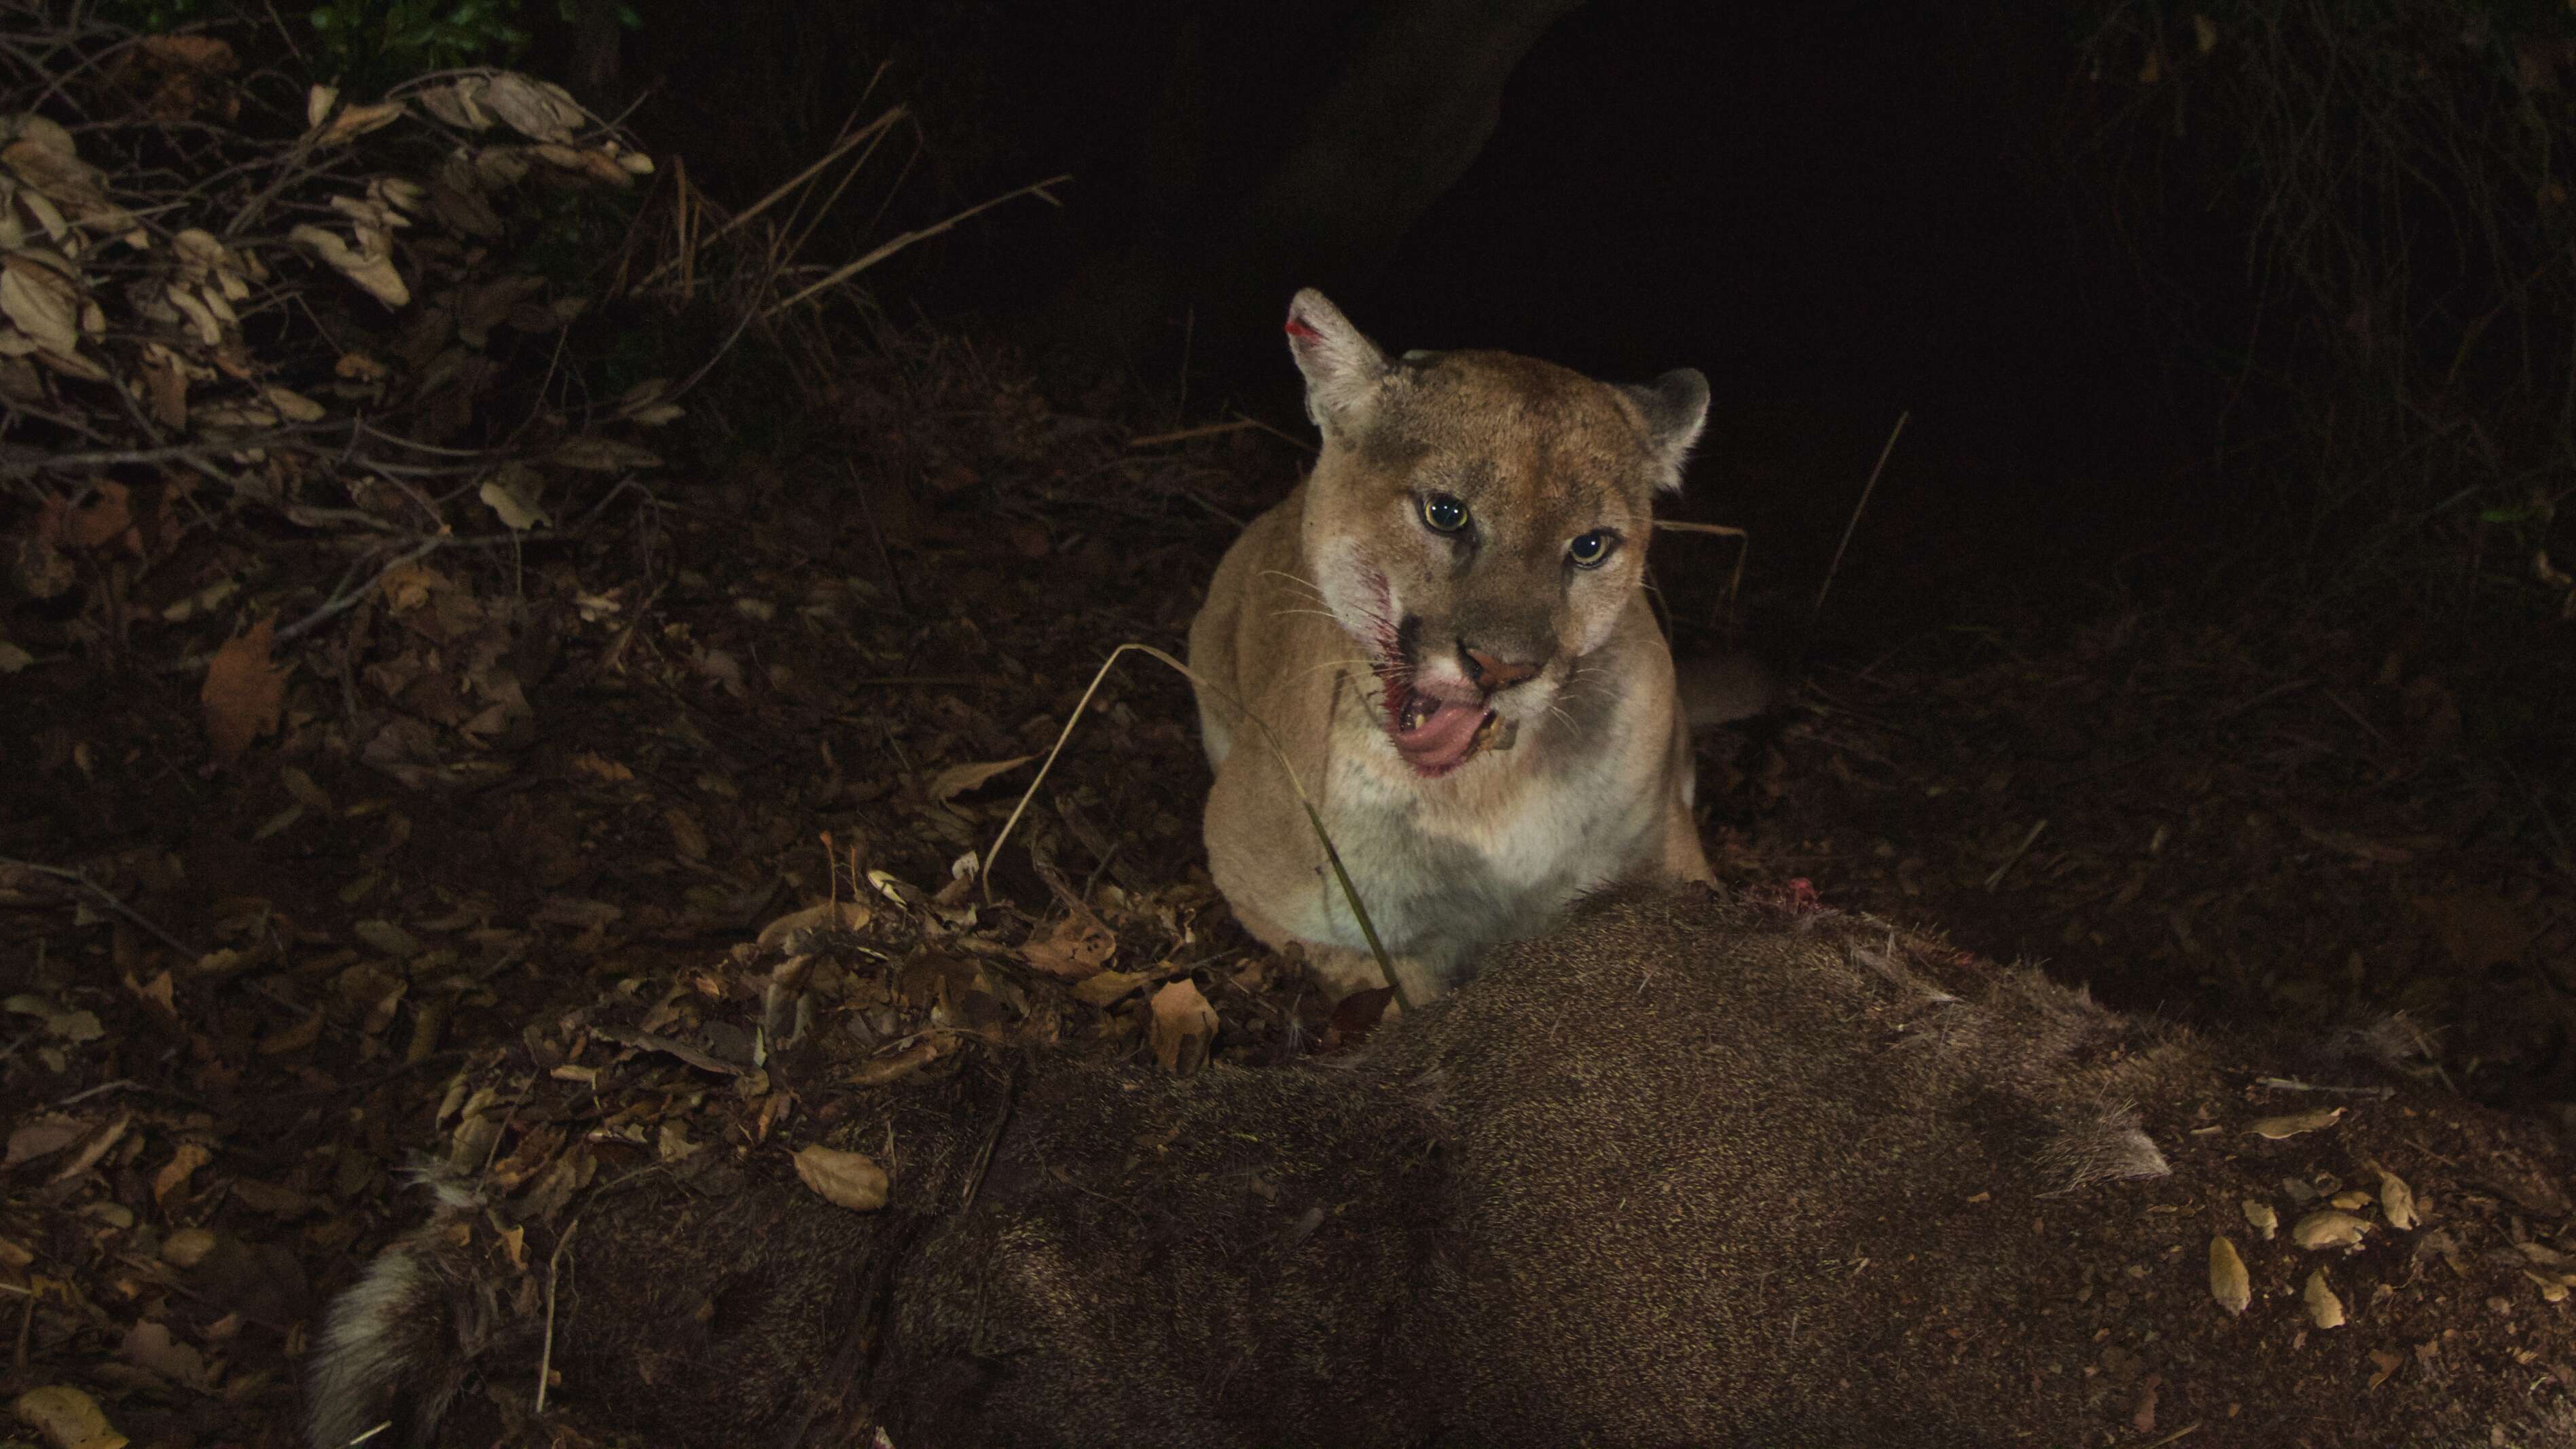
<point>1838,211</point>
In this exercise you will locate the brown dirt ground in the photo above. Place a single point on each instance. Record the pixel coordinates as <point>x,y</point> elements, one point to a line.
<point>237,996</point>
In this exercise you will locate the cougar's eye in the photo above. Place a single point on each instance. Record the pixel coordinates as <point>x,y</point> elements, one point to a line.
<point>1591,550</point>
<point>1443,514</point>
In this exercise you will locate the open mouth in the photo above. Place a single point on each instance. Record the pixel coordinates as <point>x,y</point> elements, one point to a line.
<point>1435,730</point>
<point>1436,735</point>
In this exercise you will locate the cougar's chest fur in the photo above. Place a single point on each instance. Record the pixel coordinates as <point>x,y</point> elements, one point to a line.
<point>1444,632</point>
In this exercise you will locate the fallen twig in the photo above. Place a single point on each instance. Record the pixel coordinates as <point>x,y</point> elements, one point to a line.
<point>1857,510</point>
<point>110,900</point>
<point>844,272</point>
<point>546,1357</point>
<point>2013,859</point>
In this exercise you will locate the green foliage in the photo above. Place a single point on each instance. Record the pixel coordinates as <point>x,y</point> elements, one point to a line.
<point>382,41</point>
<point>367,45</point>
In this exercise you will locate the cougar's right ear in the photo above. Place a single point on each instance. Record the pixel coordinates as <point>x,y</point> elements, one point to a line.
<point>1674,408</point>
<point>1343,368</point>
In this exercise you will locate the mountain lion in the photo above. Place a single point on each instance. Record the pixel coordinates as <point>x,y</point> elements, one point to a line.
<point>1445,630</point>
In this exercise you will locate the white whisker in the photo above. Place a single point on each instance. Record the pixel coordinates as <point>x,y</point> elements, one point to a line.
<point>1310,586</point>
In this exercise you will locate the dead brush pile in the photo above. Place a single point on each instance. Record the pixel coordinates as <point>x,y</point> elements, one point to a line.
<point>296,379</point>
<point>275,363</point>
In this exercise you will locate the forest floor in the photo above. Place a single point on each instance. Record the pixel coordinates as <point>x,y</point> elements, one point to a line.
<point>241,998</point>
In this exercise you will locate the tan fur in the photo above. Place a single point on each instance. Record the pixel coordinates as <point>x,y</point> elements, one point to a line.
<point>1339,598</point>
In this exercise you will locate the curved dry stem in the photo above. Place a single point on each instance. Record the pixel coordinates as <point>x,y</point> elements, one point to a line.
<point>1852,524</point>
<point>1341,874</point>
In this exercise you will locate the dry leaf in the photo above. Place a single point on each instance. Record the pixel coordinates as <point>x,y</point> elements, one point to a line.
<point>848,1179</point>
<point>2291,1124</point>
<point>74,1027</point>
<point>274,1200</point>
<point>511,493</point>
<point>2228,1282</point>
<point>958,779</point>
<point>720,668</point>
<point>829,916</point>
<point>150,1345</point>
<point>2545,1255</point>
<point>43,1137</point>
<point>458,104</point>
<point>208,327</point>
<point>94,1147</point>
<point>2259,1216</point>
<point>2324,1308</point>
<point>2321,1230</point>
<point>192,52</point>
<point>902,1064</point>
<point>67,1418</point>
<point>301,786</point>
<point>602,455</point>
<point>371,269</point>
<point>291,405</point>
<point>686,837</point>
<point>174,1174</point>
<point>1073,948</point>
<point>2388,1363</point>
<point>590,763</point>
<point>356,121</point>
<point>292,1039</point>
<point>2396,1201</point>
<point>644,403</point>
<point>187,1247</point>
<point>245,692</point>
<point>44,302</point>
<point>159,994</point>
<point>1184,1026</point>
<point>536,109</point>
<point>597,165</point>
<point>1107,988</point>
<point>389,938</point>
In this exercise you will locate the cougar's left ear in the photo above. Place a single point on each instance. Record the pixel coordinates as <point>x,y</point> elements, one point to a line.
<point>1675,407</point>
<point>1343,368</point>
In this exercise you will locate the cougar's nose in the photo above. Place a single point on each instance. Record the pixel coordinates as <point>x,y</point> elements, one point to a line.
<point>1494,675</point>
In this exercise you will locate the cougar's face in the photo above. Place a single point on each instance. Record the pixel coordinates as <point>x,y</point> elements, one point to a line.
<point>1479,535</point>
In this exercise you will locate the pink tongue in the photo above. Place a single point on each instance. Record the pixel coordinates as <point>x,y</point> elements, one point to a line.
<point>1443,740</point>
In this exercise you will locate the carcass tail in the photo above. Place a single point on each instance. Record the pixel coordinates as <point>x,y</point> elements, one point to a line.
<point>399,1343</point>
